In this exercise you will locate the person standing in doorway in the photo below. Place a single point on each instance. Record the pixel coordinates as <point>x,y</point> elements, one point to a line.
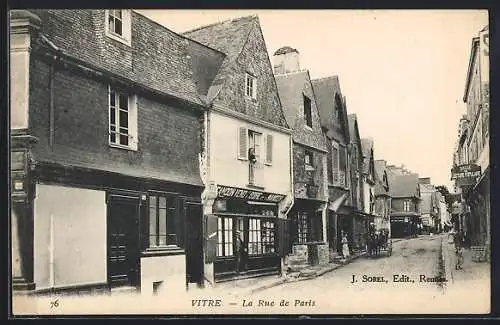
<point>240,251</point>
<point>345,245</point>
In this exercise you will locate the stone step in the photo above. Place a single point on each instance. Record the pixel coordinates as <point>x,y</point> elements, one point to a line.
<point>308,273</point>
<point>296,268</point>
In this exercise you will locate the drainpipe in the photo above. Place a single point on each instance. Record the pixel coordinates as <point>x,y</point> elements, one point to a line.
<point>291,176</point>
<point>51,105</point>
<point>292,195</point>
<point>51,253</point>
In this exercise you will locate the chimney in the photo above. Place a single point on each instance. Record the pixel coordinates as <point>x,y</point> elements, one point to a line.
<point>286,60</point>
<point>424,180</point>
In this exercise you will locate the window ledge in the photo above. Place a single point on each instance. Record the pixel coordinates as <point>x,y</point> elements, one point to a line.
<point>256,186</point>
<point>119,146</point>
<point>163,251</point>
<point>118,38</point>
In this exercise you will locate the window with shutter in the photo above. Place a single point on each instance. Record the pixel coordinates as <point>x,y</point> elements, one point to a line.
<point>269,149</point>
<point>242,143</point>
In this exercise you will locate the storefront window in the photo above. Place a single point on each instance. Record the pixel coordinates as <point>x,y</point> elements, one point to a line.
<point>268,237</point>
<point>162,223</point>
<point>225,237</point>
<point>302,228</point>
<point>254,237</point>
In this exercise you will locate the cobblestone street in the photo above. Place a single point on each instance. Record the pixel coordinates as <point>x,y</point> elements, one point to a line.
<point>412,257</point>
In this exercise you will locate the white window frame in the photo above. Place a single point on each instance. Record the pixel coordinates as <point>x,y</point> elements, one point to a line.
<point>132,119</point>
<point>126,36</point>
<point>253,89</point>
<point>336,146</point>
<point>256,138</point>
<point>406,205</point>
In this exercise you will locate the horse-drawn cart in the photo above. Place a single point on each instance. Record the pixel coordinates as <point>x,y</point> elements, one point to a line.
<point>379,243</point>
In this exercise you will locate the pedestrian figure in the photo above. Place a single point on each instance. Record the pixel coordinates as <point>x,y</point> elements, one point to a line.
<point>240,251</point>
<point>345,245</point>
<point>458,240</point>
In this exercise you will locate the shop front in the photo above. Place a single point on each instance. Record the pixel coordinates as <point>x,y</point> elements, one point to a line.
<point>355,224</point>
<point>306,233</point>
<point>478,201</point>
<point>404,226</point>
<point>245,237</point>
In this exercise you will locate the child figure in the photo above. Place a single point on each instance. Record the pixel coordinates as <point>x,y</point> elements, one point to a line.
<point>345,245</point>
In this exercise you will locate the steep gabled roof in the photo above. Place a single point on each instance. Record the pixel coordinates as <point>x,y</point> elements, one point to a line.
<point>353,129</point>
<point>290,87</point>
<point>403,185</point>
<point>366,148</point>
<point>228,37</point>
<point>326,91</point>
<point>149,62</point>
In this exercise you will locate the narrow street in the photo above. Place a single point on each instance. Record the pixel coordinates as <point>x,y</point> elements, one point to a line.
<point>411,257</point>
<point>335,291</point>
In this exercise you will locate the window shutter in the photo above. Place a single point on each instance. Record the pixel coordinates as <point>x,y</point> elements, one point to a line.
<point>269,149</point>
<point>144,224</point>
<point>254,89</point>
<point>132,122</point>
<point>243,143</point>
<point>210,238</point>
<point>179,222</point>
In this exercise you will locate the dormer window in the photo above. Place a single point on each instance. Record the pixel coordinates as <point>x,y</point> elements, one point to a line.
<point>118,25</point>
<point>251,86</point>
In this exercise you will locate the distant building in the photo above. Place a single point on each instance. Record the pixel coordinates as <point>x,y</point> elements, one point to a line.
<point>429,207</point>
<point>405,210</point>
<point>382,196</point>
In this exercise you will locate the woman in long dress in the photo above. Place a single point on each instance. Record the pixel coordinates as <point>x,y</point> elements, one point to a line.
<point>345,246</point>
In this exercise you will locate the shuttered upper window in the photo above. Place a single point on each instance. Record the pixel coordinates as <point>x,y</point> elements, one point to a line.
<point>262,145</point>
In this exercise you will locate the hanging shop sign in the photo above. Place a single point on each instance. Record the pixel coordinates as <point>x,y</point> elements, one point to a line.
<point>245,194</point>
<point>466,174</point>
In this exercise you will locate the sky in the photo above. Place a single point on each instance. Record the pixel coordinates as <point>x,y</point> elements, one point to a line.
<point>402,71</point>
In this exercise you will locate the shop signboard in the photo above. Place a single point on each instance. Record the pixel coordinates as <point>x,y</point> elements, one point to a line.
<point>465,175</point>
<point>246,194</point>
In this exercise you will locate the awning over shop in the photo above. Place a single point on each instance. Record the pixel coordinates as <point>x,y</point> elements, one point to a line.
<point>335,205</point>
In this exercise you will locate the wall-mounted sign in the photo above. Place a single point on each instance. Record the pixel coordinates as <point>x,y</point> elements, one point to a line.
<point>241,193</point>
<point>465,174</point>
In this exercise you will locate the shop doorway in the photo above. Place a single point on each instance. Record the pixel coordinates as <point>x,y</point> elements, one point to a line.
<point>241,245</point>
<point>194,244</point>
<point>123,262</point>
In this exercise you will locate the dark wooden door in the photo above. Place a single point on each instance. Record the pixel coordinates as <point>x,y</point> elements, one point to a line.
<point>194,243</point>
<point>123,241</point>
